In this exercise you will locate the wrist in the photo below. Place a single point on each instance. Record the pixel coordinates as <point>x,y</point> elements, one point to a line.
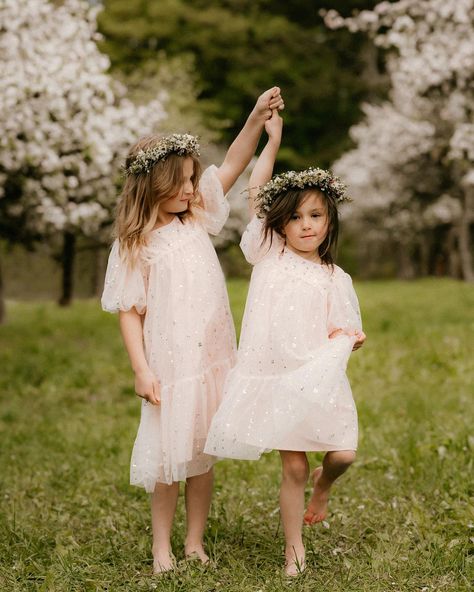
<point>140,369</point>
<point>274,142</point>
<point>256,118</point>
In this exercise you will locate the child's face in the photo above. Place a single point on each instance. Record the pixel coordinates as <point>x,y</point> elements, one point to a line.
<point>180,202</point>
<point>307,227</point>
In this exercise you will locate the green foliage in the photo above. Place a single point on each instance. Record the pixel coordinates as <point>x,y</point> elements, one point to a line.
<point>241,47</point>
<point>400,519</point>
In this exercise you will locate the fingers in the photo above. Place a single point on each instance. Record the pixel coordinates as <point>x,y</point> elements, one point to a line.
<point>150,398</point>
<point>152,394</point>
<point>361,337</point>
<point>273,92</point>
<point>273,99</point>
<point>275,115</point>
<point>155,398</point>
<point>277,103</point>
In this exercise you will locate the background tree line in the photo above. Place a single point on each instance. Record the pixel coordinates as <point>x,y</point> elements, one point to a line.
<point>384,97</point>
<point>232,49</point>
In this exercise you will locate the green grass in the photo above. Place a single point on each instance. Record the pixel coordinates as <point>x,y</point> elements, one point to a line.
<point>401,519</point>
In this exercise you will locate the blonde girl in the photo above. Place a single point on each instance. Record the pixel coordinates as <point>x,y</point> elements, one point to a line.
<point>165,281</point>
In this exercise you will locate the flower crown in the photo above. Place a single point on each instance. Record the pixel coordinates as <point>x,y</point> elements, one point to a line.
<point>312,177</point>
<point>182,144</point>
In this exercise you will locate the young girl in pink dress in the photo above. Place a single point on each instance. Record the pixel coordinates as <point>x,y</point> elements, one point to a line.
<point>164,279</point>
<point>288,390</point>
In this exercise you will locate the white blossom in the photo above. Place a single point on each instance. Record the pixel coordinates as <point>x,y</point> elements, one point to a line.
<point>65,125</point>
<point>414,153</point>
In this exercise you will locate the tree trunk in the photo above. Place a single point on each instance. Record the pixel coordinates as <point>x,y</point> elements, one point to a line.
<point>67,261</point>
<point>452,254</point>
<point>406,267</point>
<point>464,237</point>
<point>424,246</point>
<point>2,298</point>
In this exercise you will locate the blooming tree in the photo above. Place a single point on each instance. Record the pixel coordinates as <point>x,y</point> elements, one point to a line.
<point>65,125</point>
<point>412,170</point>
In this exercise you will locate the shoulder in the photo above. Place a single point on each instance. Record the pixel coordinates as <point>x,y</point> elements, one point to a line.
<point>339,274</point>
<point>338,278</point>
<point>209,175</point>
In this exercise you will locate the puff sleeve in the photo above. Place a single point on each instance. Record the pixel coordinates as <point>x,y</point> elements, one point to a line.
<point>215,205</point>
<point>251,242</point>
<point>124,287</point>
<point>343,305</point>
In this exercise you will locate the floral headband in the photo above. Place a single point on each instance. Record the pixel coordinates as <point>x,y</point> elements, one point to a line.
<point>313,177</point>
<point>181,144</point>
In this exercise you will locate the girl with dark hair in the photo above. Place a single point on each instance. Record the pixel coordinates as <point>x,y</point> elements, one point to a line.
<point>289,390</point>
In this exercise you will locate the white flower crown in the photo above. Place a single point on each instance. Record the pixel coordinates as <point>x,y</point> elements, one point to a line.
<point>311,177</point>
<point>181,144</point>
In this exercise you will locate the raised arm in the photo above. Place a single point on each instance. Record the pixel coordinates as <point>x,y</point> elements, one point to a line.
<point>263,168</point>
<point>243,147</point>
<point>146,384</point>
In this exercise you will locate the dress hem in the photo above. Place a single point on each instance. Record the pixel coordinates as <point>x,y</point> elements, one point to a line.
<point>259,452</point>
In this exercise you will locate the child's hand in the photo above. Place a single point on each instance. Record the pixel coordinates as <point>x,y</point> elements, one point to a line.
<point>274,126</point>
<point>147,387</point>
<point>360,337</point>
<point>336,333</point>
<point>268,101</point>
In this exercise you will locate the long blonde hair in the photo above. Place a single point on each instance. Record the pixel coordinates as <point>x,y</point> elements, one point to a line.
<point>142,194</point>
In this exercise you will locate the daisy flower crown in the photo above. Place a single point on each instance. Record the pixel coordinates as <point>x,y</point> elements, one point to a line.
<point>181,144</point>
<point>309,178</point>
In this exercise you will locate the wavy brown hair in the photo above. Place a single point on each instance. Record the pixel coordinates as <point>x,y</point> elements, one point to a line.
<point>283,208</point>
<point>142,194</point>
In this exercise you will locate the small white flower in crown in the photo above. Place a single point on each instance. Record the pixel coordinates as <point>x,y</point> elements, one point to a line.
<point>181,144</point>
<point>313,177</point>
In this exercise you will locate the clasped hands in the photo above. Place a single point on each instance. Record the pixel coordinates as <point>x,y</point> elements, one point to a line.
<point>268,102</point>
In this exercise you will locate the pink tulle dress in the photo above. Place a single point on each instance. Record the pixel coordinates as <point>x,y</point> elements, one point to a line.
<point>289,389</point>
<point>188,336</point>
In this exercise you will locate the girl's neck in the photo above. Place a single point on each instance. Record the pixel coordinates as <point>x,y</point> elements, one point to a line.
<point>308,255</point>
<point>163,219</point>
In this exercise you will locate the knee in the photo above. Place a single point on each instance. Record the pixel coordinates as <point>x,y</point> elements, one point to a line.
<point>344,458</point>
<point>296,469</point>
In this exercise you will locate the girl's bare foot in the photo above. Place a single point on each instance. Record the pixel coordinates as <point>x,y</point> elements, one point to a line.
<point>196,552</point>
<point>295,562</point>
<point>318,504</point>
<point>163,561</point>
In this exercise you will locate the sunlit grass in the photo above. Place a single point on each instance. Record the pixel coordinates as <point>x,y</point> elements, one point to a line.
<point>401,519</point>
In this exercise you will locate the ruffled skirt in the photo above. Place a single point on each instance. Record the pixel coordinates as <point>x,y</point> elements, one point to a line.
<point>170,442</point>
<point>308,408</point>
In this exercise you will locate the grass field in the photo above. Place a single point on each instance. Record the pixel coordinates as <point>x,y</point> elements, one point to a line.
<point>401,519</point>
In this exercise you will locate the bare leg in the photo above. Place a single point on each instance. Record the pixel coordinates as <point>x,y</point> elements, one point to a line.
<point>335,463</point>
<point>198,495</point>
<point>295,471</point>
<point>163,508</point>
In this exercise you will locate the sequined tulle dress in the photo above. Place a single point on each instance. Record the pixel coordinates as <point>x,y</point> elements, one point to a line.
<point>188,336</point>
<point>289,389</point>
